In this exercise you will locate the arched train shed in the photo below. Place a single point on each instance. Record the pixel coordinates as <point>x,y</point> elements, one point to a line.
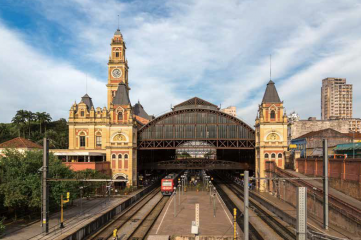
<point>196,135</point>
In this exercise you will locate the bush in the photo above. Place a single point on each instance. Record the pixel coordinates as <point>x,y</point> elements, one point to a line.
<point>2,226</point>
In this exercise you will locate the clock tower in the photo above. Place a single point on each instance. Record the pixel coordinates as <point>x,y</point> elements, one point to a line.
<point>117,66</point>
<point>271,133</point>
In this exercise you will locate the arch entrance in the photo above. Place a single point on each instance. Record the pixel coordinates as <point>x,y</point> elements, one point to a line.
<point>196,135</point>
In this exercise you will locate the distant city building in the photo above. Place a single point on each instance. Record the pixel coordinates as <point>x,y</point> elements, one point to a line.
<point>293,117</point>
<point>231,110</point>
<point>336,99</point>
<point>297,128</point>
<point>302,127</point>
<point>310,144</point>
<point>355,125</point>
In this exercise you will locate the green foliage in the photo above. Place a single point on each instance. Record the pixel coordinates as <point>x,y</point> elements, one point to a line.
<point>20,186</point>
<point>2,226</point>
<point>36,126</point>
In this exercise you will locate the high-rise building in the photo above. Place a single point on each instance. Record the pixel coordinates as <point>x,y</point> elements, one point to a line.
<point>231,110</point>
<point>336,99</point>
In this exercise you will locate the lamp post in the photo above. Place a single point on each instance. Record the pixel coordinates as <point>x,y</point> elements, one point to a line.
<point>179,190</point>
<point>210,191</point>
<point>175,200</point>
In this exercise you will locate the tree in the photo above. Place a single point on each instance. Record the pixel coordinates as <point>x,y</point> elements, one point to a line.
<point>19,120</point>
<point>21,181</point>
<point>29,118</point>
<point>42,118</point>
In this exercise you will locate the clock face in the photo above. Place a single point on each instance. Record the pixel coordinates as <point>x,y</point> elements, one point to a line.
<point>117,73</point>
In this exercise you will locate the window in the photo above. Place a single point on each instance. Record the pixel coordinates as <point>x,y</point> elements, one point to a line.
<point>120,156</point>
<point>266,156</point>
<point>82,141</point>
<point>82,113</point>
<point>114,156</point>
<point>273,155</point>
<point>120,116</point>
<point>125,156</point>
<point>273,114</point>
<point>117,54</point>
<point>280,155</point>
<point>99,141</point>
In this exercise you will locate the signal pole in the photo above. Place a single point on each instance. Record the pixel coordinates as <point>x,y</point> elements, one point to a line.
<point>45,190</point>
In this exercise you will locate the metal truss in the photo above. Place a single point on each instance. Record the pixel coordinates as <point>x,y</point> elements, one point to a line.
<point>219,144</point>
<point>198,163</point>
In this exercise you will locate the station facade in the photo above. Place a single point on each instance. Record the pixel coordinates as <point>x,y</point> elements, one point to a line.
<point>108,134</point>
<point>197,128</point>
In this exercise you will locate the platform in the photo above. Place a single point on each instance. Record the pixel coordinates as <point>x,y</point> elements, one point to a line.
<point>180,225</point>
<point>73,217</point>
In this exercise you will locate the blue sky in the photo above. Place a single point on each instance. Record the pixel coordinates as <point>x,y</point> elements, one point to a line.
<point>216,50</point>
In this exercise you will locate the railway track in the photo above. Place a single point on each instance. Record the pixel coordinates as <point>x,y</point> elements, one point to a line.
<point>281,228</point>
<point>337,203</point>
<point>253,233</point>
<point>135,222</point>
<point>286,232</point>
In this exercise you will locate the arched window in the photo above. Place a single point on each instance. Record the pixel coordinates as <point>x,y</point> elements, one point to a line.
<point>98,139</point>
<point>114,156</point>
<point>273,155</point>
<point>120,156</point>
<point>82,113</point>
<point>273,114</point>
<point>266,156</point>
<point>280,155</point>
<point>125,161</point>
<point>82,140</point>
<point>120,115</point>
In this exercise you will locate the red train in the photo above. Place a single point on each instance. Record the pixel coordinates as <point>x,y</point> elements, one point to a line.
<point>168,183</point>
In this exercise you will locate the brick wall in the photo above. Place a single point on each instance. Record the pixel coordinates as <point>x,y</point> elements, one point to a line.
<point>344,174</point>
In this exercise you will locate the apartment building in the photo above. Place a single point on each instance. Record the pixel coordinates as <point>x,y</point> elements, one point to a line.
<point>336,99</point>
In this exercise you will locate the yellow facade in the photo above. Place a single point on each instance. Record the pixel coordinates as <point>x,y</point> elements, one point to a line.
<point>110,131</point>
<point>271,134</point>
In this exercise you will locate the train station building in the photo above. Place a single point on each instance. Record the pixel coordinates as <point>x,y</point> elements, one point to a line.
<point>123,140</point>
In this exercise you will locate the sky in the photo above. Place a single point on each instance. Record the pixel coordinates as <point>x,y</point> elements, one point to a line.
<point>53,52</point>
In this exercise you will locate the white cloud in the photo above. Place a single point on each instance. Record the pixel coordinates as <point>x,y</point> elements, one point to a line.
<point>216,50</point>
<point>35,82</point>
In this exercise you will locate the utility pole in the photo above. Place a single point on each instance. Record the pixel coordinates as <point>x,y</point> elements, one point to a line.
<point>245,216</point>
<point>301,228</point>
<point>325,184</point>
<point>45,190</point>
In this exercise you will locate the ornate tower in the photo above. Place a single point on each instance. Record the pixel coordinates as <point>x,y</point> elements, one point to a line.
<point>271,133</point>
<point>117,66</point>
